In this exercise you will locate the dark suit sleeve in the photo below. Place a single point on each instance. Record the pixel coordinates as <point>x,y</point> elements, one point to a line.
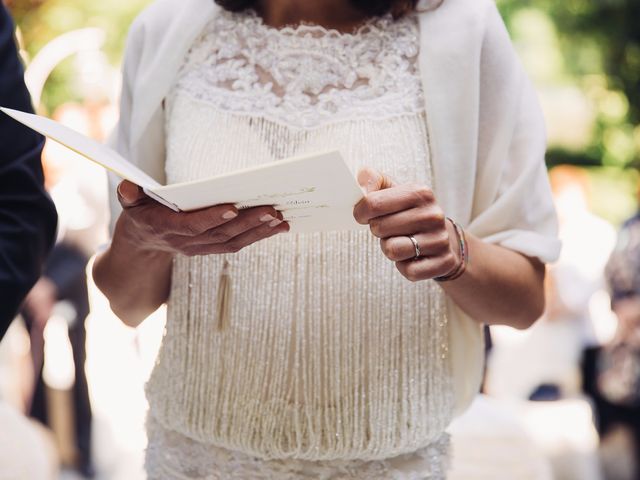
<point>28,218</point>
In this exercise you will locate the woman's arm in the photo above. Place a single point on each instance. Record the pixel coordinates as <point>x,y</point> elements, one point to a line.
<point>136,281</point>
<point>134,273</point>
<point>499,286</point>
<point>498,163</point>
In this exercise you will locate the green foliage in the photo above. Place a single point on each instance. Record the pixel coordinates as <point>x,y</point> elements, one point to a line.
<point>613,193</point>
<point>598,39</point>
<point>40,21</point>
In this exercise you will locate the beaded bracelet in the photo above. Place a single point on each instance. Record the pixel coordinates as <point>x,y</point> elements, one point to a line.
<point>464,255</point>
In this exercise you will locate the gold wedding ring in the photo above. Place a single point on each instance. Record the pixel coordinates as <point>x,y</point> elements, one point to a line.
<point>415,246</point>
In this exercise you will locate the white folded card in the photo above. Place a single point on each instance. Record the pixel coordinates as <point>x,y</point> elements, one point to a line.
<point>315,192</point>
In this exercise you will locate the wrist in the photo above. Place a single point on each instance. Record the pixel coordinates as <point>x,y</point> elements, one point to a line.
<point>127,240</point>
<point>454,243</point>
<point>459,248</point>
<point>124,256</point>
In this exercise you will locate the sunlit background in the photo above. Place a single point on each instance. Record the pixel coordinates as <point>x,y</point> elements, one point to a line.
<point>583,56</point>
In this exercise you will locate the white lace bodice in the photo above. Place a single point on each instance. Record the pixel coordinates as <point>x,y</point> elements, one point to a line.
<point>330,355</point>
<point>306,76</point>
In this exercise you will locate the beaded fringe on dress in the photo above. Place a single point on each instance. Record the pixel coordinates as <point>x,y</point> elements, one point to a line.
<point>321,351</point>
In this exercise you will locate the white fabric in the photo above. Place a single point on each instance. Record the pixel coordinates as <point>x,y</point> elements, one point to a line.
<point>565,432</point>
<point>485,125</point>
<point>329,355</point>
<point>520,440</point>
<point>171,456</point>
<point>25,453</point>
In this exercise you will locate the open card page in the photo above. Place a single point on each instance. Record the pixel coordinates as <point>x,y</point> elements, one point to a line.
<point>315,192</point>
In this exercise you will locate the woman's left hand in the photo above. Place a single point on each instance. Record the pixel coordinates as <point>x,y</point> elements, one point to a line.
<point>395,213</point>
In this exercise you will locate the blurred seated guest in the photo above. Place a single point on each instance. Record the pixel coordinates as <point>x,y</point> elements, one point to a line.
<point>27,215</point>
<point>612,372</point>
<point>623,279</point>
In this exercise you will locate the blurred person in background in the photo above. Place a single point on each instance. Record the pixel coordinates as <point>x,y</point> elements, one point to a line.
<point>612,372</point>
<point>27,230</point>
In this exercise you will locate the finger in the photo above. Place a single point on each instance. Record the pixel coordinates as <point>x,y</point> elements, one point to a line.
<point>246,220</point>
<point>392,200</point>
<point>130,194</point>
<point>401,248</point>
<point>238,243</point>
<point>408,222</point>
<point>426,268</point>
<point>195,223</point>
<point>372,180</point>
<point>164,223</point>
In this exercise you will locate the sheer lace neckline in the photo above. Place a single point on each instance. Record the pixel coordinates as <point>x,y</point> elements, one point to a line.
<point>305,76</point>
<point>371,25</point>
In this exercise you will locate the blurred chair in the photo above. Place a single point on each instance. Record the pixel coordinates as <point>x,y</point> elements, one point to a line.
<point>489,442</point>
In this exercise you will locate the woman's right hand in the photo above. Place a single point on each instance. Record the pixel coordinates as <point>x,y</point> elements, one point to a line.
<point>219,229</point>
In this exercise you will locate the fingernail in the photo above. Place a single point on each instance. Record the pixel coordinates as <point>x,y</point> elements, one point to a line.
<point>276,222</point>
<point>229,215</point>
<point>266,218</point>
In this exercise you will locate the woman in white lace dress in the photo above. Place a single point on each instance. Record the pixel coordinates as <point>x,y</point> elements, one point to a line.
<point>342,354</point>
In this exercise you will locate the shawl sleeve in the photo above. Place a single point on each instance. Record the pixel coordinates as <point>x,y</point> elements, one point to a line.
<point>512,204</point>
<point>497,184</point>
<point>157,41</point>
<point>120,137</point>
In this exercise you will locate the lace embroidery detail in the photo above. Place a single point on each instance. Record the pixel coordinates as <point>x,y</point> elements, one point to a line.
<point>305,76</point>
<point>172,456</point>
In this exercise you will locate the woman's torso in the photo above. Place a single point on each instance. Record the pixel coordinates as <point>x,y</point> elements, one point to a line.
<point>329,352</point>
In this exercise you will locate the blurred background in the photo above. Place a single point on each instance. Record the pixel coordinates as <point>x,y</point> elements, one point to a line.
<point>560,401</point>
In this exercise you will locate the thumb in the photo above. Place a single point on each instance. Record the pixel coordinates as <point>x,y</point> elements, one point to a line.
<point>130,194</point>
<point>372,180</point>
